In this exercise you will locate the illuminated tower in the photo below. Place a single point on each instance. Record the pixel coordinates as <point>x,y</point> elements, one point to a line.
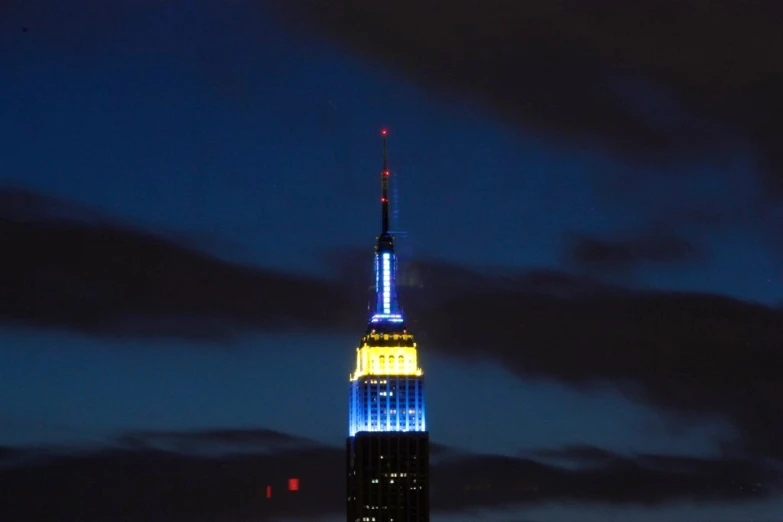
<point>388,443</point>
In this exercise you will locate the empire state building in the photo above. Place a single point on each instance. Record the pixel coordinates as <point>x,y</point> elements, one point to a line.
<point>388,443</point>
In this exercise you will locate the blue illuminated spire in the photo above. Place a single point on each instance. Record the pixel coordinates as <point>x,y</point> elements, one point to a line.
<point>387,306</point>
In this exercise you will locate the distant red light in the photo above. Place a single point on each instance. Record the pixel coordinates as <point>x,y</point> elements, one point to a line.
<point>384,132</point>
<point>269,492</point>
<point>385,172</point>
<point>293,484</point>
<point>383,200</point>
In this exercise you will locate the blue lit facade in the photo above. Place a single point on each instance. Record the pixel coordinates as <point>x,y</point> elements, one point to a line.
<point>381,401</point>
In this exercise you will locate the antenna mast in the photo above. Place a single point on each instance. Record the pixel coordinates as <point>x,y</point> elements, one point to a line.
<point>384,188</point>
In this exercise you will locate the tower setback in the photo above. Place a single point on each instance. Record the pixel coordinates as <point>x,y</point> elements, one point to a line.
<point>388,442</point>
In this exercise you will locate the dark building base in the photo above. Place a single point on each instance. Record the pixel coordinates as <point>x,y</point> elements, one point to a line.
<point>388,477</point>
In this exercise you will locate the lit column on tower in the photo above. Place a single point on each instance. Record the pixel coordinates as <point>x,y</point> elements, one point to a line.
<point>388,443</point>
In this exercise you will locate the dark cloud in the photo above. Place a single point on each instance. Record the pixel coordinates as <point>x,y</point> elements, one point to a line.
<point>214,441</point>
<point>650,79</point>
<point>684,353</point>
<point>142,483</point>
<point>622,255</point>
<point>6,452</point>
<point>23,205</point>
<point>9,454</point>
<point>104,278</point>
<point>577,454</point>
<point>492,480</point>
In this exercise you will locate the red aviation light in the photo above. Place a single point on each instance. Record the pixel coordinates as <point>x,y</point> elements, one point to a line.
<point>293,484</point>
<point>384,132</point>
<point>385,172</point>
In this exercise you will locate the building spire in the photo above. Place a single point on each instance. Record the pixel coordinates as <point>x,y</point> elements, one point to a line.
<point>384,188</point>
<point>386,309</point>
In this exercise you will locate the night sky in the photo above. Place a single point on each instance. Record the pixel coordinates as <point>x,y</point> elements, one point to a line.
<point>592,204</point>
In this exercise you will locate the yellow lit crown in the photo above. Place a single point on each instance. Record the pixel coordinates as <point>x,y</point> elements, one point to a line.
<point>392,354</point>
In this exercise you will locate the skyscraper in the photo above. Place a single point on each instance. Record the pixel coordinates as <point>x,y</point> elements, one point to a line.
<point>388,443</point>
